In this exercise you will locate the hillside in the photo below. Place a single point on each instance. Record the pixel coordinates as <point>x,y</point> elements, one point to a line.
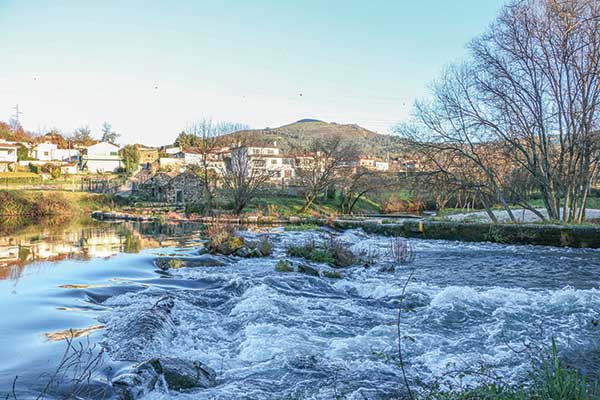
<point>298,134</point>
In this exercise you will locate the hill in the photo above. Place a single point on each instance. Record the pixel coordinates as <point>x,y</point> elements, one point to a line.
<point>299,134</point>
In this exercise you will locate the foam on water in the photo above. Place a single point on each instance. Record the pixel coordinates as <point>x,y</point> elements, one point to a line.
<point>287,334</point>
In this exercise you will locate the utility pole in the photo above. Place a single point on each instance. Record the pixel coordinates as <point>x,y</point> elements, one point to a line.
<point>16,116</point>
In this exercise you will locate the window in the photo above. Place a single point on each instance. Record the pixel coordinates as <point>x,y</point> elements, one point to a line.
<point>274,162</point>
<point>114,153</point>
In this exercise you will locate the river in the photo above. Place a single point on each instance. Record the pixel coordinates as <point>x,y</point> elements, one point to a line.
<point>271,334</point>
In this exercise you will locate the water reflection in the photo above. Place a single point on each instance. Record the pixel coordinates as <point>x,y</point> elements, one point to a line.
<point>86,241</point>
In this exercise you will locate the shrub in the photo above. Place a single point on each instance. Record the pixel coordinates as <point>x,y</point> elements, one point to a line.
<point>265,247</point>
<point>394,204</point>
<point>332,252</point>
<point>332,274</point>
<point>284,266</point>
<point>12,204</point>
<point>401,250</point>
<point>47,205</point>
<point>342,256</point>
<point>218,234</point>
<point>36,169</point>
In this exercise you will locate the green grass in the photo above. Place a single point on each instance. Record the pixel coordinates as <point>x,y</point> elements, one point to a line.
<point>550,379</point>
<point>291,205</point>
<point>301,227</point>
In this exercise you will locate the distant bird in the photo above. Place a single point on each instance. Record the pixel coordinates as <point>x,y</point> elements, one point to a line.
<point>155,87</point>
<point>35,78</point>
<point>300,94</point>
<point>595,322</point>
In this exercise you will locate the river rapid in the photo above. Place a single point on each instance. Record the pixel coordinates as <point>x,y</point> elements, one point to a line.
<point>276,335</point>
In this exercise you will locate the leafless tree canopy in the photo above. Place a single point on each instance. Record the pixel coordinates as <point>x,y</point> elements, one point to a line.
<point>204,136</point>
<point>325,166</point>
<point>242,180</point>
<point>523,108</point>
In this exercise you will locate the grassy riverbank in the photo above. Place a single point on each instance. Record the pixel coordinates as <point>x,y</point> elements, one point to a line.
<point>33,203</point>
<point>23,208</point>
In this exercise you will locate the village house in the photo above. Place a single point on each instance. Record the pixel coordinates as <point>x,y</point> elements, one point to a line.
<point>69,168</point>
<point>374,164</point>
<point>101,157</point>
<point>8,157</point>
<point>148,155</point>
<point>154,188</point>
<point>49,152</point>
<point>266,159</point>
<point>181,188</point>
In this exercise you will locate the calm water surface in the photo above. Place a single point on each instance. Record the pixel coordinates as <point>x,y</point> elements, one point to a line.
<point>289,335</point>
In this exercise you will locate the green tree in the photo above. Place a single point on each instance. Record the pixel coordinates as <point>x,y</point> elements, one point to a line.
<point>131,158</point>
<point>22,153</point>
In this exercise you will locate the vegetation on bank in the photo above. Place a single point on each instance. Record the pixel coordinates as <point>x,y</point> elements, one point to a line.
<point>23,208</point>
<point>550,378</point>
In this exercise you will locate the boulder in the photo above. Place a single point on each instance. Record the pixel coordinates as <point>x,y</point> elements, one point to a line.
<point>176,373</point>
<point>204,260</point>
<point>308,270</point>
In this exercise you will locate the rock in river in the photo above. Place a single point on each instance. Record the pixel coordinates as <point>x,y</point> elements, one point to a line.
<point>178,374</point>
<point>204,260</point>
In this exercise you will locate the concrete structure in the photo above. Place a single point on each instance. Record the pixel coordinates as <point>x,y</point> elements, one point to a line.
<point>101,157</point>
<point>8,157</point>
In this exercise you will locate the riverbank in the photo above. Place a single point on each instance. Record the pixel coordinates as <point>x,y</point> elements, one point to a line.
<point>23,208</point>
<point>585,236</point>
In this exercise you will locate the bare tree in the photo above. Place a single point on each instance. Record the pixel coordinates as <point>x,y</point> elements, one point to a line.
<point>531,89</point>
<point>328,160</point>
<point>242,179</point>
<point>83,135</point>
<point>204,137</point>
<point>108,135</point>
<point>357,184</point>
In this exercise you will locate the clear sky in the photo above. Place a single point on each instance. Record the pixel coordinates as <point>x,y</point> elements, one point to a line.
<point>151,67</point>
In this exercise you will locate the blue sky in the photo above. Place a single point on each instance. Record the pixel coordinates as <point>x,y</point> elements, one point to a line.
<point>151,67</point>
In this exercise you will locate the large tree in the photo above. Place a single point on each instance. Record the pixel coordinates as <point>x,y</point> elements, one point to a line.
<point>530,92</point>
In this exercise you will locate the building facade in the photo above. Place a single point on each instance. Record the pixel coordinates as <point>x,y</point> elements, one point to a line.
<point>101,157</point>
<point>8,157</point>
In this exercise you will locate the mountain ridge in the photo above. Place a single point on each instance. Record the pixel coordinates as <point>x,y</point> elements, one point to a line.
<point>299,134</point>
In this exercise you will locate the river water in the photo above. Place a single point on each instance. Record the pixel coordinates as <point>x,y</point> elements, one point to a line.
<point>275,335</point>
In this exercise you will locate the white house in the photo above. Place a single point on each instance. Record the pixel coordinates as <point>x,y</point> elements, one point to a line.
<point>266,159</point>
<point>8,157</point>
<point>101,157</point>
<point>43,151</point>
<point>51,152</point>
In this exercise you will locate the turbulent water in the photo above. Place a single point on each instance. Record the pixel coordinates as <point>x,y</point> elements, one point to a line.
<point>269,334</point>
